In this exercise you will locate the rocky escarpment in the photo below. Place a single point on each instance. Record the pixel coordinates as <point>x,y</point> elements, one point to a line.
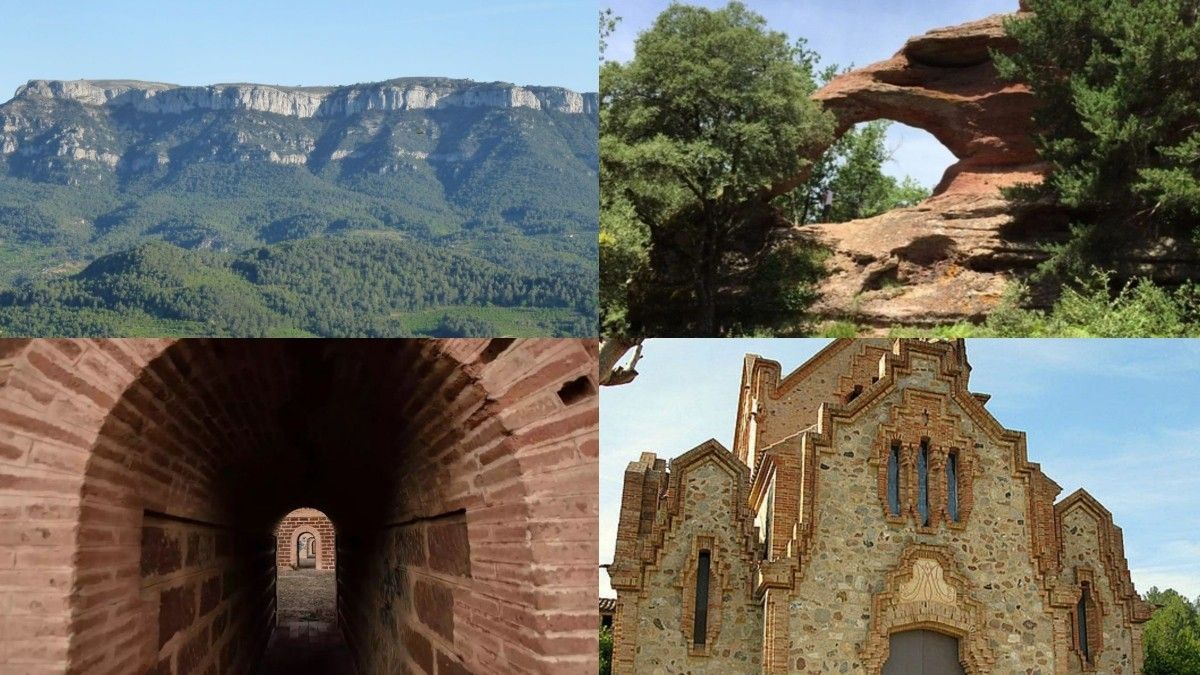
<point>87,131</point>
<point>392,95</point>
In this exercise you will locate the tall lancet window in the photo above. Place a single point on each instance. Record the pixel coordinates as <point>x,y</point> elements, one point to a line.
<point>952,486</point>
<point>1081,619</point>
<point>923,483</point>
<point>700,624</point>
<point>893,479</point>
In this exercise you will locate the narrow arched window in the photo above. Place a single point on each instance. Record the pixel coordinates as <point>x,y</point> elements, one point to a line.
<point>700,625</point>
<point>893,480</point>
<point>1081,619</point>
<point>952,486</point>
<point>923,482</point>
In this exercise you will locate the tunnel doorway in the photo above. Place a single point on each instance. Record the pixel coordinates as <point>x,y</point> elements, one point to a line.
<point>454,471</point>
<point>306,569</point>
<point>306,556</point>
<point>307,637</point>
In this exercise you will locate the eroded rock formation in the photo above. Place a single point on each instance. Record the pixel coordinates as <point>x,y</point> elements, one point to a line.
<point>945,83</point>
<point>950,258</point>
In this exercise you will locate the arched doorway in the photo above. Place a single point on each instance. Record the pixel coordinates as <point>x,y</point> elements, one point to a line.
<point>306,550</point>
<point>923,652</point>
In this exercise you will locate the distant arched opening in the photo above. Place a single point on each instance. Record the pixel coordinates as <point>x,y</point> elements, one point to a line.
<point>872,168</point>
<point>916,154</point>
<point>306,572</point>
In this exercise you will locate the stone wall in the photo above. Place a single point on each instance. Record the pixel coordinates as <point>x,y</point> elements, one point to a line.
<point>854,547</point>
<point>840,572</point>
<point>705,509</point>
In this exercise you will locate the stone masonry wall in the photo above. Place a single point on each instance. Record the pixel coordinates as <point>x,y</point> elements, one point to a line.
<point>706,510</point>
<point>1001,575</point>
<point>1118,648</point>
<point>854,548</point>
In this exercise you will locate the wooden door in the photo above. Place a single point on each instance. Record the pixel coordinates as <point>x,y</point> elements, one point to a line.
<point>923,652</point>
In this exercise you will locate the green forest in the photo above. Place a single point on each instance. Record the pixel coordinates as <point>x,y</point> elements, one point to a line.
<point>456,221</point>
<point>350,285</point>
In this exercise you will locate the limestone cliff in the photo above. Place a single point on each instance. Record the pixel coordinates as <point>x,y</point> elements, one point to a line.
<point>392,95</point>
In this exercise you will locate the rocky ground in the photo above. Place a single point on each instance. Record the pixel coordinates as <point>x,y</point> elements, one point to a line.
<point>946,260</point>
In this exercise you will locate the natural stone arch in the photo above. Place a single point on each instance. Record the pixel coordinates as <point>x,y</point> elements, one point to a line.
<point>944,82</point>
<point>130,453</point>
<point>926,592</point>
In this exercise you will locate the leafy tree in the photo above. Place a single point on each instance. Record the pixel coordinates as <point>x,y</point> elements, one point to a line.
<point>1172,636</point>
<point>1119,124</point>
<point>606,646</point>
<point>852,170</point>
<point>712,109</point>
<point>608,24</point>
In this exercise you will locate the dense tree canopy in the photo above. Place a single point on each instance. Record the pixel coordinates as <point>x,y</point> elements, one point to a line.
<point>1119,83</point>
<point>712,110</point>
<point>1172,636</point>
<point>331,286</point>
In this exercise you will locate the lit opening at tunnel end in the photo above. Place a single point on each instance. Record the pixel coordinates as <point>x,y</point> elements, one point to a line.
<point>262,506</point>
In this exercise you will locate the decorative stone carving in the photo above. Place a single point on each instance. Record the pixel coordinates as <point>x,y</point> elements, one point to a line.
<point>926,591</point>
<point>928,584</point>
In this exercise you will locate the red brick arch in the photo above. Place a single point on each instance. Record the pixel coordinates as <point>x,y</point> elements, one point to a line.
<point>141,478</point>
<point>296,524</point>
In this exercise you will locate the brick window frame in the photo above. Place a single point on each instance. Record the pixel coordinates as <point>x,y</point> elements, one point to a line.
<point>717,580</point>
<point>921,418</point>
<point>1085,578</point>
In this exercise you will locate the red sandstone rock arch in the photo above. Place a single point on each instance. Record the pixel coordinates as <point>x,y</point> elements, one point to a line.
<point>137,469</point>
<point>945,83</point>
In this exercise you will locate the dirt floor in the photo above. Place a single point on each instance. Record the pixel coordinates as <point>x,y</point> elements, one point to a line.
<point>306,639</point>
<point>306,595</point>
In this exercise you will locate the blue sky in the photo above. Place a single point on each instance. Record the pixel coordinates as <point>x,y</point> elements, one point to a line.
<point>843,33</point>
<point>290,42</point>
<point>1120,418</point>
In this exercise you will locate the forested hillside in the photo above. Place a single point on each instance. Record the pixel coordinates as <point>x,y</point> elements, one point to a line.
<point>352,285</point>
<point>332,211</point>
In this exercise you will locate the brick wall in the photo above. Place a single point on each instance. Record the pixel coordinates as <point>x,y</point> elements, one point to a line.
<point>301,522</point>
<point>207,594</point>
<point>482,450</point>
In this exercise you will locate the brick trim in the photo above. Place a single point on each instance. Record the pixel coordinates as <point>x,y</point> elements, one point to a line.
<point>1095,625</point>
<point>965,619</point>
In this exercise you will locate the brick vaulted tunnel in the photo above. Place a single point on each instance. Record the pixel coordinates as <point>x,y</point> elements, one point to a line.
<point>141,482</point>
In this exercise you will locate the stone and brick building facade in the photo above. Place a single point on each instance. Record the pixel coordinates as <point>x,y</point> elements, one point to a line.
<point>141,482</point>
<point>871,511</point>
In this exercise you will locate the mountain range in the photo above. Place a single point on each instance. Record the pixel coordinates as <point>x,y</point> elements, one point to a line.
<point>424,205</point>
